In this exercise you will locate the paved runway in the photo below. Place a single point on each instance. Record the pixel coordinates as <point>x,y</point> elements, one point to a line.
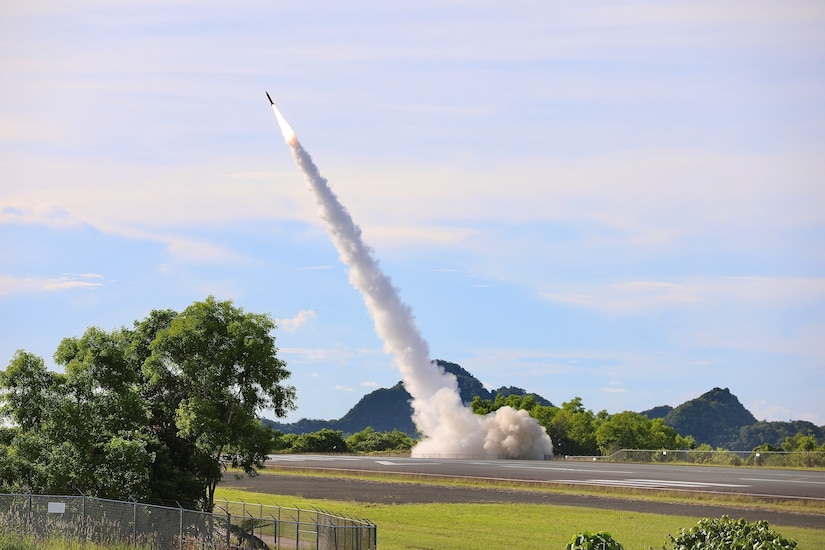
<point>784,484</point>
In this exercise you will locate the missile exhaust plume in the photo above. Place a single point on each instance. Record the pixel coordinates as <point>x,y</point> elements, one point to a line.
<point>448,427</point>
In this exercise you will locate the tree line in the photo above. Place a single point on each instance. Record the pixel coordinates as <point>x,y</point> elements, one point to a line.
<point>335,441</point>
<point>577,431</point>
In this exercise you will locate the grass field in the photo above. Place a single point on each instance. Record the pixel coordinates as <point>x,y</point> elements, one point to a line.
<point>512,526</point>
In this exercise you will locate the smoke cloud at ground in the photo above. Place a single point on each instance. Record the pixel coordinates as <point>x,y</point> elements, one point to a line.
<point>448,427</point>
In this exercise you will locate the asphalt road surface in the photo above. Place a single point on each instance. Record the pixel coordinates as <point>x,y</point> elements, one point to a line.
<point>764,483</point>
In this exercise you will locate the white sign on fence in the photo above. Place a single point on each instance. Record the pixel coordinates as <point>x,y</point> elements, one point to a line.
<point>57,507</point>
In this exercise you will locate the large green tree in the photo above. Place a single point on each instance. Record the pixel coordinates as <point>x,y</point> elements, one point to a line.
<point>27,387</point>
<point>223,364</point>
<point>157,411</point>
<point>573,428</point>
<point>631,430</point>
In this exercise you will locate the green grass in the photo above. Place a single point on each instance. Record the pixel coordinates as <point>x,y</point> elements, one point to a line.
<point>516,526</point>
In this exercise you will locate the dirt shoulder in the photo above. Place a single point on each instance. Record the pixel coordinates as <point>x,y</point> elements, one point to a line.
<point>388,492</point>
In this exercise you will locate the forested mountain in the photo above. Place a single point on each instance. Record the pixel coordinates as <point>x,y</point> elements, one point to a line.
<point>388,409</point>
<point>718,419</point>
<point>714,418</point>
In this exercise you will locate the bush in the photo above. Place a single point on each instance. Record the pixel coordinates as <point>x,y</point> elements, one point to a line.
<point>370,441</point>
<point>725,534</point>
<point>322,441</point>
<point>594,541</point>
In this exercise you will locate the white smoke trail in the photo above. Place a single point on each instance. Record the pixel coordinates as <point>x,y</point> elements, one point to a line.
<point>448,427</point>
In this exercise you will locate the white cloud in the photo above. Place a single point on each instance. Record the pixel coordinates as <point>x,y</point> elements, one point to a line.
<point>49,214</point>
<point>628,298</point>
<point>11,286</point>
<point>613,389</point>
<point>639,297</point>
<point>294,323</point>
<point>761,14</point>
<point>339,355</point>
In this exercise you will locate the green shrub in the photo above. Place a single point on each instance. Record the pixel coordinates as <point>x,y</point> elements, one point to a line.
<point>594,541</point>
<point>725,534</point>
<point>10,541</point>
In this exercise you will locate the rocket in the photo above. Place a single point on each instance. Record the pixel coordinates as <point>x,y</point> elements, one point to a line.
<point>289,134</point>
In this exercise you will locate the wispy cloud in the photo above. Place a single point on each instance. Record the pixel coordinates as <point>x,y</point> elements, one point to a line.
<point>639,297</point>
<point>627,298</point>
<point>331,356</point>
<point>10,286</point>
<point>294,323</point>
<point>48,213</point>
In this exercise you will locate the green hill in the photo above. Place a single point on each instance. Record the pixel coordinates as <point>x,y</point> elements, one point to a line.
<point>714,418</point>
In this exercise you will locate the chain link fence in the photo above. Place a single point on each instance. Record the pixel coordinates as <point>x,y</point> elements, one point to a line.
<point>233,525</point>
<point>776,459</point>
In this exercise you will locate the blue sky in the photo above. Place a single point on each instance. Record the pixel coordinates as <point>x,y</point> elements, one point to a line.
<point>619,201</point>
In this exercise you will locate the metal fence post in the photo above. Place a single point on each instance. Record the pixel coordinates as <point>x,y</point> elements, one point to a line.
<point>298,529</point>
<point>275,525</point>
<point>180,528</point>
<point>134,523</point>
<point>251,528</point>
<point>83,520</point>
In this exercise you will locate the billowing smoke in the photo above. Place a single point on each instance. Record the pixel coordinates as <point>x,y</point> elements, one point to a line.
<point>448,427</point>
